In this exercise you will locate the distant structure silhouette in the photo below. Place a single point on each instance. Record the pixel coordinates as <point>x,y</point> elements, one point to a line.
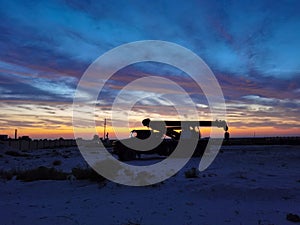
<point>96,137</point>
<point>3,137</point>
<point>226,136</point>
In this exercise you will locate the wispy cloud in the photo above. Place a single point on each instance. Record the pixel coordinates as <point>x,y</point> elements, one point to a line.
<point>253,48</point>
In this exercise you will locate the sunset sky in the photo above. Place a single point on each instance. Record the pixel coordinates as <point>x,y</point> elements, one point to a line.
<point>252,47</point>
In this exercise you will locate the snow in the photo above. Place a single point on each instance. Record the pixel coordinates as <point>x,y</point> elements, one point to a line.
<point>244,185</point>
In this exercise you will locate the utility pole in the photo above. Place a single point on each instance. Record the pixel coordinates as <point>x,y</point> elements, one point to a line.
<point>16,133</point>
<point>104,129</point>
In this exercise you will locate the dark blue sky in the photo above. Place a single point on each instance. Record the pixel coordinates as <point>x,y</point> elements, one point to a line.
<point>253,47</point>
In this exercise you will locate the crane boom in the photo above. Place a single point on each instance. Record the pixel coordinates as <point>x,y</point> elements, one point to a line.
<point>176,125</point>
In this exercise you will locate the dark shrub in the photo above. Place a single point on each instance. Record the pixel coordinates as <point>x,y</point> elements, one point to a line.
<point>6,175</point>
<point>56,163</point>
<point>16,153</point>
<point>293,218</point>
<point>41,173</point>
<point>191,173</point>
<point>87,174</point>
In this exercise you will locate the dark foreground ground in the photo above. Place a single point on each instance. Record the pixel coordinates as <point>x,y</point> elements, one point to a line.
<point>249,184</point>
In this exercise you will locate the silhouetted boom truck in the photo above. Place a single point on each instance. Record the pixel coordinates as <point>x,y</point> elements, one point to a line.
<point>167,134</point>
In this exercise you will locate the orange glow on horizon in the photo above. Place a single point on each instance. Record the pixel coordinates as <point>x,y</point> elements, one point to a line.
<point>40,133</point>
<point>67,132</point>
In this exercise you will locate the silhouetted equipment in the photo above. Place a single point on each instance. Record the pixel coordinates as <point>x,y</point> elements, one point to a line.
<point>171,132</point>
<point>16,133</point>
<point>172,126</point>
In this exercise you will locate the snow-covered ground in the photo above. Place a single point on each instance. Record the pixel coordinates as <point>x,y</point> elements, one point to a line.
<point>255,185</point>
